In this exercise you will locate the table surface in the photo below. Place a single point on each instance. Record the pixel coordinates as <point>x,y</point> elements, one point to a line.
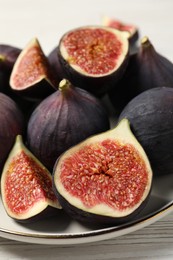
<point>48,20</point>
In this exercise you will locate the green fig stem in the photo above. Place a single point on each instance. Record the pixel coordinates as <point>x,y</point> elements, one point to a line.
<point>64,84</point>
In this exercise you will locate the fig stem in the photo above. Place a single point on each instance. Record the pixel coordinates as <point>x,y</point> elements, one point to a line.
<point>145,42</point>
<point>2,58</point>
<point>64,84</point>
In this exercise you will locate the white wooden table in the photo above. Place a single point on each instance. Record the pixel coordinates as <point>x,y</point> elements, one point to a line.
<point>152,242</point>
<point>47,20</point>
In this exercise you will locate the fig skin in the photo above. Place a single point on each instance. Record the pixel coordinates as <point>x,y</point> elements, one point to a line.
<point>32,77</point>
<point>65,118</point>
<point>55,64</point>
<point>22,184</point>
<point>151,117</point>
<point>101,212</point>
<point>95,84</point>
<point>146,69</point>
<point>8,56</point>
<point>12,124</point>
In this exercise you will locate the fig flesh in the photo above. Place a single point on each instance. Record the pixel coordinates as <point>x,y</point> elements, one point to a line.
<point>26,185</point>
<point>106,178</point>
<point>146,69</point>
<point>151,117</point>
<point>65,118</point>
<point>12,124</point>
<point>31,76</point>
<point>93,58</point>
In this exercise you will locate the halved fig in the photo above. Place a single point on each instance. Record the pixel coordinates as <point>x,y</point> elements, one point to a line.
<point>93,57</point>
<point>122,26</point>
<point>31,76</point>
<point>26,185</point>
<point>107,178</point>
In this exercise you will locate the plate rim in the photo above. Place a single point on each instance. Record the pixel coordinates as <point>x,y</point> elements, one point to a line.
<point>88,236</point>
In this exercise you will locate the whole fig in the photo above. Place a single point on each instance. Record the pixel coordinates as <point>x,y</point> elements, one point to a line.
<point>63,119</point>
<point>8,56</point>
<point>146,69</point>
<point>11,124</point>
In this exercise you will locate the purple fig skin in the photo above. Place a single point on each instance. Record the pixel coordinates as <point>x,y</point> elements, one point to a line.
<point>8,56</point>
<point>65,118</point>
<point>55,64</point>
<point>147,69</point>
<point>12,124</point>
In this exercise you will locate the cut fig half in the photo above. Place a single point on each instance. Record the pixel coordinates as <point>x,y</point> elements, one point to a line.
<point>107,178</point>
<point>26,186</point>
<point>93,57</point>
<point>31,76</point>
<point>132,29</point>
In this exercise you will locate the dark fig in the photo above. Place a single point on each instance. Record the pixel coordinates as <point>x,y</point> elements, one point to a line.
<point>151,118</point>
<point>26,185</point>
<point>32,76</point>
<point>107,178</point>
<point>93,57</point>
<point>55,64</point>
<point>11,124</point>
<point>122,26</point>
<point>63,119</point>
<point>146,69</point>
<point>8,56</point>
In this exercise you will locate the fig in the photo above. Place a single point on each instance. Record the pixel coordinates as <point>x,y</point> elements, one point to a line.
<point>55,64</point>
<point>12,123</point>
<point>63,119</point>
<point>122,26</point>
<point>26,185</point>
<point>8,56</point>
<point>146,69</point>
<point>106,179</point>
<point>93,57</point>
<point>151,117</point>
<point>32,76</point>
